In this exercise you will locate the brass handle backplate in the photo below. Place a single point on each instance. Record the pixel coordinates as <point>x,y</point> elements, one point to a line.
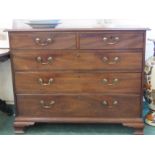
<point>111,40</point>
<point>39,59</point>
<point>104,102</point>
<point>109,104</point>
<point>43,42</point>
<point>106,81</point>
<point>111,62</point>
<point>41,82</point>
<point>47,105</point>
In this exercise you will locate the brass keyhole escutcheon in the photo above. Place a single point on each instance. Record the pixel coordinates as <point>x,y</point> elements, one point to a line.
<point>78,55</point>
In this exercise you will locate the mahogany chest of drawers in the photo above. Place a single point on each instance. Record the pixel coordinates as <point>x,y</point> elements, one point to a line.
<point>78,76</point>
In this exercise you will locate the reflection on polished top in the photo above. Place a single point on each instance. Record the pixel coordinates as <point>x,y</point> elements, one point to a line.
<point>54,25</point>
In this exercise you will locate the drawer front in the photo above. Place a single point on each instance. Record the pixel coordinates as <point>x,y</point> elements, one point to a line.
<point>43,40</point>
<point>74,60</point>
<point>111,40</point>
<point>69,82</point>
<point>78,106</point>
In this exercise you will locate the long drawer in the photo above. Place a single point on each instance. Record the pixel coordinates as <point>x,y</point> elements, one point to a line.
<point>77,60</point>
<point>43,40</point>
<point>59,82</point>
<point>111,40</point>
<point>78,106</point>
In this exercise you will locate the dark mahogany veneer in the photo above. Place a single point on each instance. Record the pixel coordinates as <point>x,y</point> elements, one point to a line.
<point>78,76</point>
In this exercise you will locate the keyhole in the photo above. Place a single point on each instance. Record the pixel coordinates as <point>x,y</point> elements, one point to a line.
<point>78,55</point>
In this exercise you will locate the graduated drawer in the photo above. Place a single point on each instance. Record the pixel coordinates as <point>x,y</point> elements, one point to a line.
<point>42,40</point>
<point>77,60</point>
<point>69,82</point>
<point>78,106</point>
<point>111,40</point>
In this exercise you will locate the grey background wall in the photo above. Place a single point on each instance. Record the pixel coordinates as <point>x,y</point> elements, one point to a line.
<point>6,90</point>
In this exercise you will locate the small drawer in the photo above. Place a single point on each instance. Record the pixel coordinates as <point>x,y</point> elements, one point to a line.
<point>112,40</point>
<point>77,82</point>
<point>112,106</point>
<point>77,60</point>
<point>42,40</point>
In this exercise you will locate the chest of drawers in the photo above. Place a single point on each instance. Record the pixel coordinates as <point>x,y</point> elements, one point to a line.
<point>78,76</point>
